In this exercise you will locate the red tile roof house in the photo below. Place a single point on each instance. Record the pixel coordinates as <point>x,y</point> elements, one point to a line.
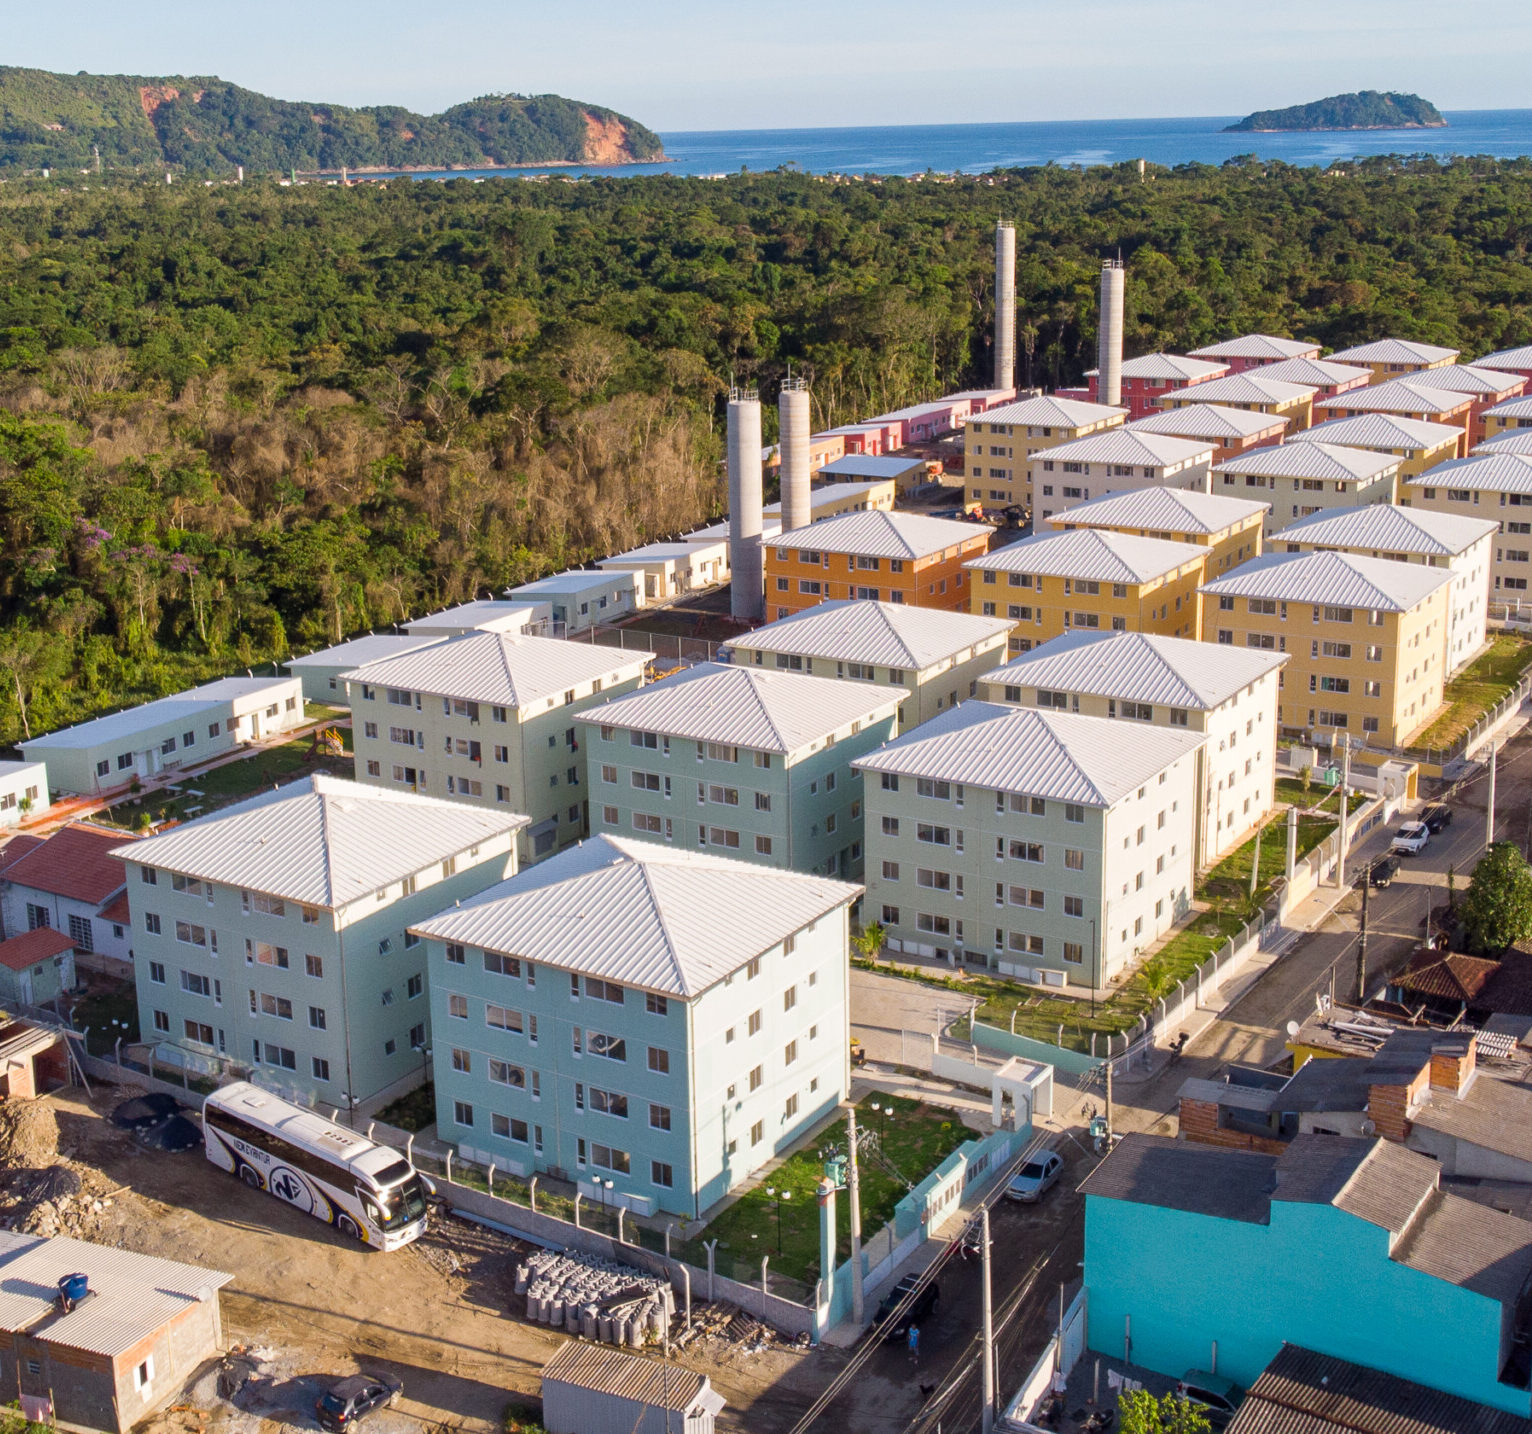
<point>72,884</point>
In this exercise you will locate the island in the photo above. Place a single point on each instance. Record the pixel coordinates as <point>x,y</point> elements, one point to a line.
<point>1366,109</point>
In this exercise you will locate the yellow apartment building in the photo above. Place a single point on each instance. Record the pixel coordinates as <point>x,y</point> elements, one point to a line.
<point>1510,417</point>
<point>1417,445</point>
<point>1388,358</point>
<point>1089,580</point>
<point>1298,480</point>
<point>1253,392</point>
<point>834,499</point>
<point>1366,638</point>
<point>1228,528</point>
<point>1405,398</point>
<point>1495,485</point>
<point>999,445</point>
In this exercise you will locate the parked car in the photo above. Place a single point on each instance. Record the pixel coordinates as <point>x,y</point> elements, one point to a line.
<point>1219,1397</point>
<point>1411,839</point>
<point>1437,817</point>
<point>1035,1178</point>
<point>1384,870</point>
<point>921,1308</point>
<point>347,1400</point>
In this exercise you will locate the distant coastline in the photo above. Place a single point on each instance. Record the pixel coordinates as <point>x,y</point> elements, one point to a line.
<point>1361,110</point>
<point>1332,128</point>
<point>386,169</point>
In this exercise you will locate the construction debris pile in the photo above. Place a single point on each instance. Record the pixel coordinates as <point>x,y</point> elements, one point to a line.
<point>42,1193</point>
<point>596,1298</point>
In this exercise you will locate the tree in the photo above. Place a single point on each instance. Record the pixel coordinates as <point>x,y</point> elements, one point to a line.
<point>1497,910</point>
<point>1139,1412</point>
<point>869,941</point>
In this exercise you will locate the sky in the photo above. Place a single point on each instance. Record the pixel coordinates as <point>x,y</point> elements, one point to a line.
<point>689,65</point>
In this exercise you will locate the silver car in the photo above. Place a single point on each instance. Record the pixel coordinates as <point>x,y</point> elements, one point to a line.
<point>1035,1178</point>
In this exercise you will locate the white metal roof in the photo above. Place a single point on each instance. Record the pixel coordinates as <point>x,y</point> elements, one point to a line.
<point>1471,379</point>
<point>1316,372</point>
<point>1258,346</point>
<point>642,913</point>
<point>132,1295</point>
<point>1380,430</point>
<point>881,535</point>
<point>1393,351</point>
<point>1333,462</point>
<point>1049,411</point>
<point>766,711</point>
<point>1091,554</point>
<point>832,493</point>
<point>894,635</point>
<point>1172,367</point>
<point>488,614</point>
<point>1512,408</point>
<point>578,580</point>
<point>1209,420</point>
<point>506,669</point>
<point>361,650</point>
<point>1507,358</point>
<point>1384,527</point>
<point>1513,442</point>
<point>1341,579</point>
<point>1495,472</point>
<point>1166,510</point>
<point>676,552</point>
<point>322,841</point>
<point>718,532</point>
<point>1129,447</point>
<point>1056,755</point>
<point>1139,667</point>
<point>183,706</point>
<point>1249,387</point>
<point>1398,395</point>
<point>862,465</point>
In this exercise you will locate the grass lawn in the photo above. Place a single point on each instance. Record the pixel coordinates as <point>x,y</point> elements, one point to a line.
<point>414,1110</point>
<point>1478,688</point>
<point>917,1139</point>
<point>99,1009</point>
<point>1320,798</point>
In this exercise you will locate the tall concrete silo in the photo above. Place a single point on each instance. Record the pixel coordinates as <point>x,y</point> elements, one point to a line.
<point>747,591</point>
<point>1109,335</point>
<point>1005,305</point>
<point>797,461</point>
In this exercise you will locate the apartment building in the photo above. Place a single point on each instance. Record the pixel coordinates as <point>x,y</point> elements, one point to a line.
<point>1418,445</point>
<point>1229,528</point>
<point>1298,480</point>
<point>1254,393</point>
<point>1504,419</point>
<point>1404,398</point>
<point>1090,579</point>
<point>1249,351</point>
<point>323,673</point>
<point>1495,485</point>
<point>583,598</point>
<point>1486,388</point>
<point>905,473</point>
<point>1045,846</point>
<point>1147,379</point>
<point>1389,358</point>
<point>274,935</point>
<point>481,615</point>
<point>1506,443</point>
<point>832,499</point>
<point>652,1024</point>
<point>998,446</point>
<point>1517,360</point>
<point>766,754</point>
<point>881,557</point>
<point>1367,639</point>
<point>1324,376</point>
<point>1229,430</point>
<point>1116,462</point>
<point>1465,545</point>
<point>1229,694</point>
<point>931,658</point>
<point>489,719</point>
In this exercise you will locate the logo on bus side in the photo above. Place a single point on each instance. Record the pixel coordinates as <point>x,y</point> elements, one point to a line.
<point>287,1184</point>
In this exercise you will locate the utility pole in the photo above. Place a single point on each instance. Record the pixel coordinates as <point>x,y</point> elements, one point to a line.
<point>987,1339</point>
<point>853,1194</point>
<point>1345,804</point>
<point>1489,816</point>
<point>1361,945</point>
<point>1255,860</point>
<point>1109,1089</point>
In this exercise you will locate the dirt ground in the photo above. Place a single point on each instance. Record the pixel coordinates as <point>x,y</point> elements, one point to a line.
<point>437,1314</point>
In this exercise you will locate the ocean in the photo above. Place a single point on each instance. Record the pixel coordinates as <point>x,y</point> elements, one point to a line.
<point>975,148</point>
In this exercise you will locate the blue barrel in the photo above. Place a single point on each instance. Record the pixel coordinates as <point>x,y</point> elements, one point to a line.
<point>74,1288</point>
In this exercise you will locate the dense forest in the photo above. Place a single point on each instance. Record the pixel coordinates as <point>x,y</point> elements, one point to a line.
<point>1366,109</point>
<point>206,125</point>
<point>238,421</point>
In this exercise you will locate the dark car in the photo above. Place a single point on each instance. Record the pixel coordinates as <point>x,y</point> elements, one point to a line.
<point>1384,870</point>
<point>1219,1398</point>
<point>918,1311</point>
<point>347,1400</point>
<point>1437,818</point>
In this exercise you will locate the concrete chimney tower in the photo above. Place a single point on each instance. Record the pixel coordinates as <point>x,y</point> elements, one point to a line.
<point>747,590</point>
<point>797,461</point>
<point>1005,305</point>
<point>1109,335</point>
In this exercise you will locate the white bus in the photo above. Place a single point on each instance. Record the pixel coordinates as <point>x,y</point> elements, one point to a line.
<point>368,1192</point>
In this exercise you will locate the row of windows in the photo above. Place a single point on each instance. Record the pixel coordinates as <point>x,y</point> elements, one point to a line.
<point>188,739</point>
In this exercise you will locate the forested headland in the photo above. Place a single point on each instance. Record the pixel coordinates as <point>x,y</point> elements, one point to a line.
<point>236,422</point>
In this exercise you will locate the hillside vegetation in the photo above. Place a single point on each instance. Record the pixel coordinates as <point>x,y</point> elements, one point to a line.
<point>1367,109</point>
<point>205,124</point>
<point>240,420</point>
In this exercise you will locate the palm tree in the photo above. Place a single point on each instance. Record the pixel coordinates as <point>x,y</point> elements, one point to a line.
<point>869,941</point>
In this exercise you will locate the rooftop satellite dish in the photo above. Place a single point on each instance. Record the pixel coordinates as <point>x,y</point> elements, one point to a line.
<point>1293,1028</point>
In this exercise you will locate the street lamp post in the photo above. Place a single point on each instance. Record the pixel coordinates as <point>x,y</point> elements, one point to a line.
<point>424,1053</point>
<point>779,1196</point>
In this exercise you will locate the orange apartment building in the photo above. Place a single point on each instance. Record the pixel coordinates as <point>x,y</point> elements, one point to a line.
<point>1250,351</point>
<point>1487,387</point>
<point>1326,377</point>
<point>1231,431</point>
<point>877,556</point>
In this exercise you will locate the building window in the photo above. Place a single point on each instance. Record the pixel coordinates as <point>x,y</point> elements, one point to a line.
<point>462,1113</point>
<point>659,1060</point>
<point>659,1117</point>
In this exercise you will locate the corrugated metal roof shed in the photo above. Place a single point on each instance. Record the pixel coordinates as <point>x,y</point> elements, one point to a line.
<point>1385,527</point>
<point>322,841</point>
<point>1091,555</point>
<point>1249,387</point>
<point>642,913</point>
<point>1398,395</point>
<point>882,535</point>
<point>1258,346</point>
<point>1128,446</point>
<point>1139,667</point>
<point>1380,430</point>
<point>1169,510</point>
<point>1332,462</point>
<point>1498,471</point>
<point>1340,579</point>
<point>504,669</point>
<point>885,634</point>
<point>609,1371</point>
<point>1210,421</point>
<point>1057,755</point>
<point>1393,351</point>
<point>1049,411</point>
<point>766,711</point>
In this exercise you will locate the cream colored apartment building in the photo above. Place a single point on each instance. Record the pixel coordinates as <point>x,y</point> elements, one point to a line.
<point>999,445</point>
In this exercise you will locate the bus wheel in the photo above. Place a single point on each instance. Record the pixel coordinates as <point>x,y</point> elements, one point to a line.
<point>347,1226</point>
<point>250,1176</point>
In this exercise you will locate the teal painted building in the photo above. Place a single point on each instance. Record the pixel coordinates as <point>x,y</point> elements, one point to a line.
<point>1198,1257</point>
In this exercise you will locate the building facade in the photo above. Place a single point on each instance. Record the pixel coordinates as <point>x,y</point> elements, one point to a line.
<point>1228,528</point>
<point>583,598</point>
<point>1389,358</point>
<point>1485,388</point>
<point>23,792</point>
<point>1416,444</point>
<point>1118,461</point>
<point>323,673</point>
<point>1147,379</point>
<point>1494,485</point>
<point>1507,418</point>
<point>1299,480</point>
<point>999,445</point>
<point>1254,393</point>
<point>69,882</point>
<point>1231,431</point>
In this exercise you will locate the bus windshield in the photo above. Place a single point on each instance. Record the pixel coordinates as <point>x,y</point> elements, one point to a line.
<point>401,1205</point>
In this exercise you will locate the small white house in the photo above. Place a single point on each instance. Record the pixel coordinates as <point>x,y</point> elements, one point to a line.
<point>670,570</point>
<point>583,598</point>
<point>23,791</point>
<point>486,615</point>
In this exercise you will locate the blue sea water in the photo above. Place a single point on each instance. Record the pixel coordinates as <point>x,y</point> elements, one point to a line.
<point>975,148</point>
